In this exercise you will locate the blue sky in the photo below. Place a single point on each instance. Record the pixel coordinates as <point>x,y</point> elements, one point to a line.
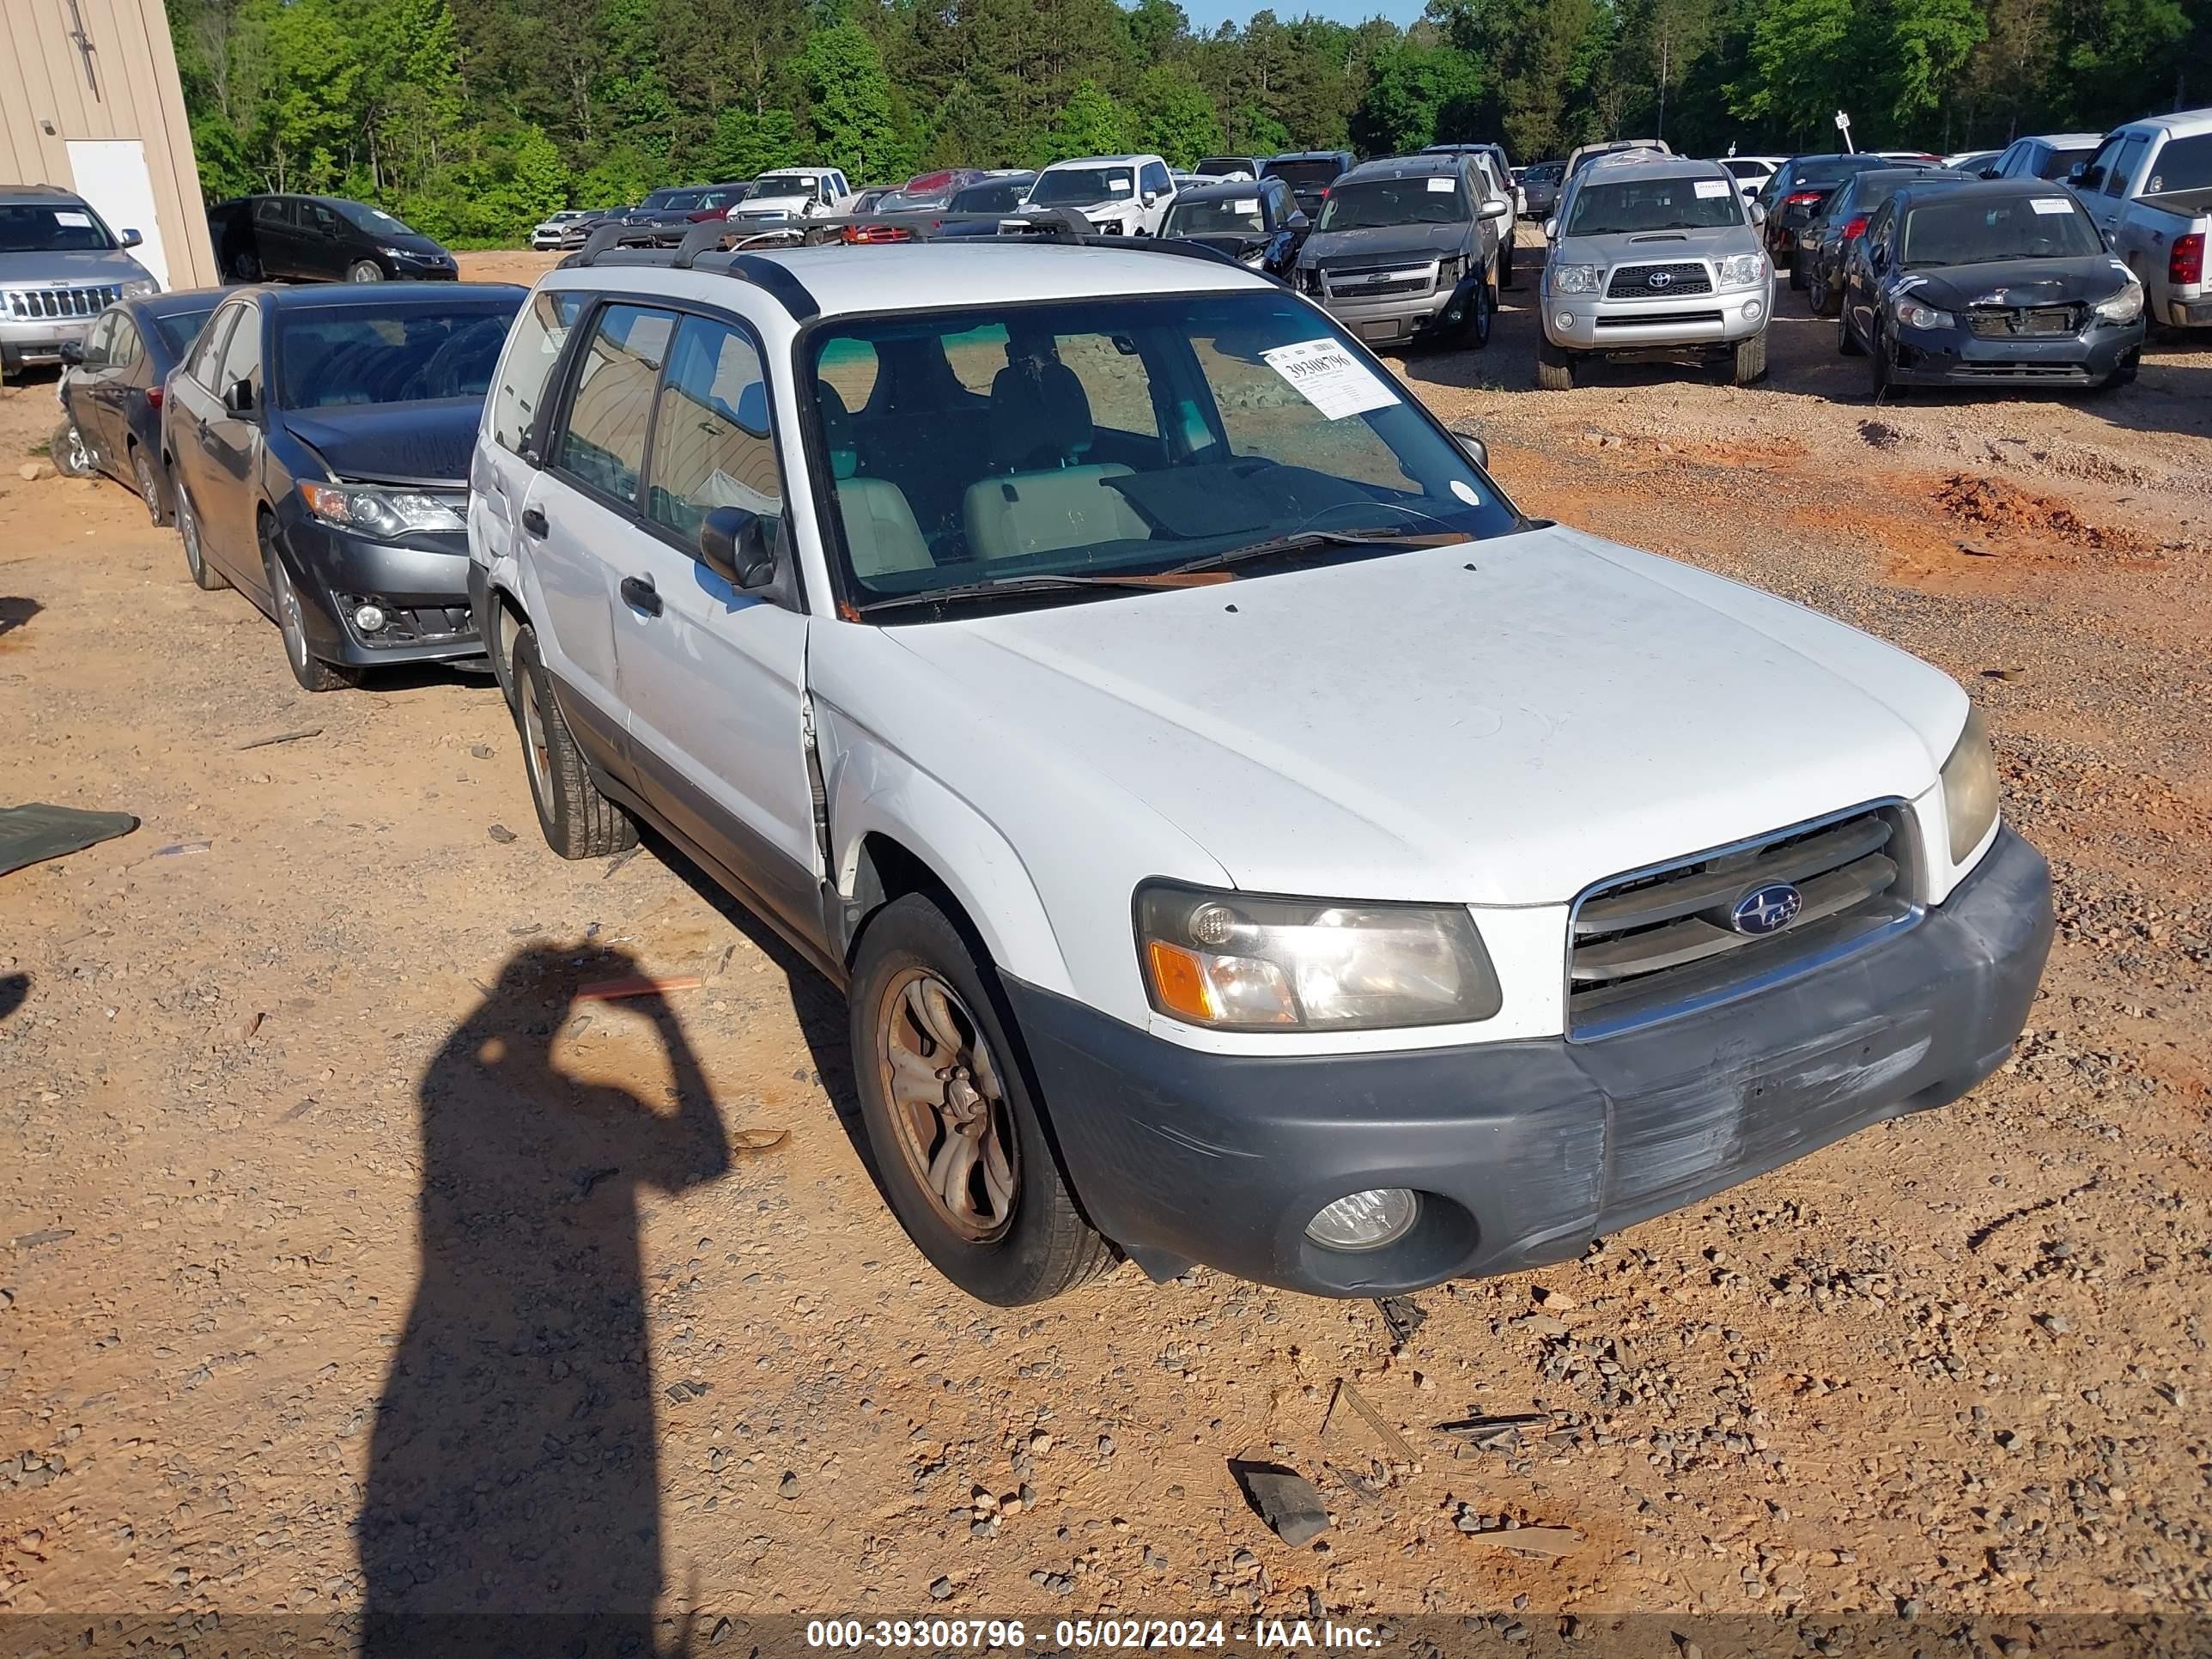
<point>1206,15</point>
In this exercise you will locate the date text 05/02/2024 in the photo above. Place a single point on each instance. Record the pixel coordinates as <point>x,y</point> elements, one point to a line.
<point>938,1636</point>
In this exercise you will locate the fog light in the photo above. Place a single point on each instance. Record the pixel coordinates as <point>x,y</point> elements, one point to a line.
<point>1565,319</point>
<point>1365,1221</point>
<point>1752,311</point>
<point>370,619</point>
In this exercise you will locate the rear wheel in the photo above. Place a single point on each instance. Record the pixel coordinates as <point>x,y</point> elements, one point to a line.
<point>1818,294</point>
<point>245,266</point>
<point>364,270</point>
<point>312,673</point>
<point>1505,267</point>
<point>578,821</point>
<point>1555,367</point>
<point>958,1139</point>
<point>1749,364</point>
<point>70,457</point>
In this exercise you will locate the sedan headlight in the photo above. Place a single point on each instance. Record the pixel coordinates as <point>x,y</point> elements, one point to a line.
<point>1740,271</point>
<point>2125,306</point>
<point>1913,314</point>
<point>1236,963</point>
<point>1970,787</point>
<point>1575,279</point>
<point>382,513</point>
<point>140,287</point>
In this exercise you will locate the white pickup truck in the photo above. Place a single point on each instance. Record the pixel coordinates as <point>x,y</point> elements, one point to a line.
<point>2150,189</point>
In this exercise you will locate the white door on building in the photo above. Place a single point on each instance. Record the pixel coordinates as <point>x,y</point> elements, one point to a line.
<point>111,175</point>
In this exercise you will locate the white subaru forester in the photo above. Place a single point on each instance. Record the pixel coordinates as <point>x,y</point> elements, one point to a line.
<point>1244,837</point>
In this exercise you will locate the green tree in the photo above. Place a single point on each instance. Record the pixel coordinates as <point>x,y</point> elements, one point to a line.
<point>1802,66</point>
<point>1175,117</point>
<point>1090,124</point>
<point>848,102</point>
<point>303,129</point>
<point>746,143</point>
<point>1415,95</point>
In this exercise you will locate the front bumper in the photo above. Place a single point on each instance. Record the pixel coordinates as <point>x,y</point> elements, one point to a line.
<point>27,341</point>
<point>1589,322</point>
<point>424,585</point>
<point>1959,357</point>
<point>1401,317</point>
<point>1526,1151</point>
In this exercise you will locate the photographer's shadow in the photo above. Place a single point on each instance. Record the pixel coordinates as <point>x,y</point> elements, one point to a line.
<point>513,1466</point>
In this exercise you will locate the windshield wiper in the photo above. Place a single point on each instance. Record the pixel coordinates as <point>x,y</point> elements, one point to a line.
<point>1301,541</point>
<point>962,591</point>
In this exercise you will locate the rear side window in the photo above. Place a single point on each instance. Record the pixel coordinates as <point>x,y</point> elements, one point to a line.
<point>713,445</point>
<point>532,349</point>
<point>601,442</point>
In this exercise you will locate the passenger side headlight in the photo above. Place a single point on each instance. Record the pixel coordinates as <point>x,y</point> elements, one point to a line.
<point>1970,788</point>
<point>1740,271</point>
<point>1575,279</point>
<point>1450,268</point>
<point>141,288</point>
<point>380,512</point>
<point>1913,314</point>
<point>1237,963</point>
<point>2125,306</point>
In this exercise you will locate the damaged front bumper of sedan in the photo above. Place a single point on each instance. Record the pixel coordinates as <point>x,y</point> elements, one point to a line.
<point>2065,345</point>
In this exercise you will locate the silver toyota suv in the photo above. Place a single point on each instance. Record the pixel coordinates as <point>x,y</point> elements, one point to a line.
<point>1654,255</point>
<point>60,267</point>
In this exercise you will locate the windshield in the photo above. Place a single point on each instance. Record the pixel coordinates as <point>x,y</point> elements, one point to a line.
<point>42,229</point>
<point>374,220</point>
<point>778,184</point>
<point>1974,230</point>
<point>178,329</point>
<point>1212,215</point>
<point>1546,172</point>
<point>1119,437</point>
<point>998,197</point>
<point>372,354</point>
<point>1747,169</point>
<point>1222,166</point>
<point>1432,198</point>
<point>2183,164</point>
<point>1080,187</point>
<point>674,200</point>
<point>1306,174</point>
<point>1648,204</point>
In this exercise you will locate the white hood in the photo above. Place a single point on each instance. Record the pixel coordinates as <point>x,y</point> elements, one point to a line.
<point>1406,728</point>
<point>763,207</point>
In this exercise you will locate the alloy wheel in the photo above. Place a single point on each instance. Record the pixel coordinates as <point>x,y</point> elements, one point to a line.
<point>76,459</point>
<point>291,620</point>
<point>948,1104</point>
<point>150,490</point>
<point>188,528</point>
<point>365,271</point>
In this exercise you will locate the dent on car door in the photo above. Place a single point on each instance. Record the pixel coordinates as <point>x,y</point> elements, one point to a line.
<point>714,678</point>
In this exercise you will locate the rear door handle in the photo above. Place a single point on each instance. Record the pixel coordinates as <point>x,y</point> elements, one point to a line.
<point>639,593</point>
<point>533,520</point>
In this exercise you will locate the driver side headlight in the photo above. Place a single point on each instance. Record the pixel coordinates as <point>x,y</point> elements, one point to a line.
<point>1575,279</point>
<point>1740,270</point>
<point>1234,961</point>
<point>1970,788</point>
<point>380,512</point>
<point>1913,314</point>
<point>2125,306</point>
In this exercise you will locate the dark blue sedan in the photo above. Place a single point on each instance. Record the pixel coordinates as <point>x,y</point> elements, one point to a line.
<point>318,441</point>
<point>111,388</point>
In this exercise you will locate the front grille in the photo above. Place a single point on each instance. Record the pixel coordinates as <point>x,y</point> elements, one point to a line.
<point>1649,318</point>
<point>2069,372</point>
<point>26,304</point>
<point>1659,942</point>
<point>1383,283</point>
<point>2005,322</point>
<point>1654,282</point>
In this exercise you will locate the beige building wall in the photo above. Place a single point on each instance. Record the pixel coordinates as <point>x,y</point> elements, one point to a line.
<point>81,82</point>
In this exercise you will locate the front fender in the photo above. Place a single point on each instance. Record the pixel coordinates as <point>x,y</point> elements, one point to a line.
<point>873,790</point>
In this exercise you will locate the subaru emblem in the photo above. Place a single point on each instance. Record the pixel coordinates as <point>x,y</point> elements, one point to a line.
<point>1766,910</point>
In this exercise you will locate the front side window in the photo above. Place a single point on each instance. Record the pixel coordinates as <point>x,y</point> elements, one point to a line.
<point>1639,205</point>
<point>602,442</point>
<point>208,351</point>
<point>2057,164</point>
<point>272,210</point>
<point>37,229</point>
<point>2123,166</point>
<point>125,350</point>
<point>241,355</point>
<point>1127,436</point>
<point>1430,199</point>
<point>712,443</point>
<point>532,347</point>
<point>378,352</point>
<point>1970,230</point>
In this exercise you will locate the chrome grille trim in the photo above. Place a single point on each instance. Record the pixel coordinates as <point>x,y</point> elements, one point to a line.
<point>66,300</point>
<point>1639,951</point>
<point>1634,282</point>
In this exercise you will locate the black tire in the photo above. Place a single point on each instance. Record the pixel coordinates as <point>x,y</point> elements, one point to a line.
<point>2123,375</point>
<point>204,575</point>
<point>66,449</point>
<point>1847,343</point>
<point>1555,367</point>
<point>1819,295</point>
<point>1037,1244</point>
<point>1798,270</point>
<point>245,266</point>
<point>1878,380</point>
<point>312,672</point>
<point>577,820</point>
<point>1481,312</point>
<point>147,479</point>
<point>1748,365</point>
<point>364,270</point>
<point>1505,276</point>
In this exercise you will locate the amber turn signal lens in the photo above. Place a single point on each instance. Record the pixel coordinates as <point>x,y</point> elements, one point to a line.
<point>1180,981</point>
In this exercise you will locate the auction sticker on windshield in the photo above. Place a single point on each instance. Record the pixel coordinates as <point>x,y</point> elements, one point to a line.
<point>2050,204</point>
<point>1329,377</point>
<point>1440,184</point>
<point>1709,188</point>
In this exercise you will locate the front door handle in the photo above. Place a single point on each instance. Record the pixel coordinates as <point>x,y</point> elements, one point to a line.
<point>639,594</point>
<point>533,520</point>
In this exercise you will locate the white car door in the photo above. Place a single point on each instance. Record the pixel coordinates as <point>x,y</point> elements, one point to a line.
<point>714,678</point>
<point>579,516</point>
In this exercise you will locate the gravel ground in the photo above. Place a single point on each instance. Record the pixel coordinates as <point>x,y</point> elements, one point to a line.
<point>348,1258</point>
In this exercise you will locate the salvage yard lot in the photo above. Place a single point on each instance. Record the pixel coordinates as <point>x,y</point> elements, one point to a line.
<point>344,1250</point>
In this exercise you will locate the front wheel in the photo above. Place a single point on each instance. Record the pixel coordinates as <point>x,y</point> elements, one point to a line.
<point>1480,312</point>
<point>312,673</point>
<point>1505,277</point>
<point>364,270</point>
<point>1555,367</point>
<point>1847,343</point>
<point>1748,365</point>
<point>959,1141</point>
<point>1878,374</point>
<point>70,456</point>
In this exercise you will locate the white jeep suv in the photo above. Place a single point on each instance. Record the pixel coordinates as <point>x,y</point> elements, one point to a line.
<point>1244,837</point>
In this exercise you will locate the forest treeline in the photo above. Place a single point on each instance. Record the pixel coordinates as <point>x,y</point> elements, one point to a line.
<point>472,118</point>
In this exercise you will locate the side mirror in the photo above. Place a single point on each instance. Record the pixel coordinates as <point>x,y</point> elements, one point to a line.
<point>1476,450</point>
<point>1758,212</point>
<point>2086,176</point>
<point>733,543</point>
<point>1987,172</point>
<point>1551,230</point>
<point>131,239</point>
<point>1297,221</point>
<point>1151,198</point>
<point>1497,207</point>
<point>72,353</point>
<point>237,397</point>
